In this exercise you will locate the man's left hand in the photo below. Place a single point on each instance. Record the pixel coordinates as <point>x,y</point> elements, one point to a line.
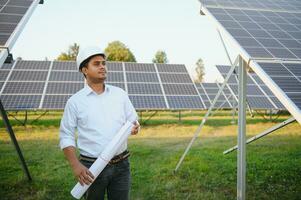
<point>136,128</point>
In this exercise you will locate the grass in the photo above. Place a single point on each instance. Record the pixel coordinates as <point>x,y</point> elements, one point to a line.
<point>273,162</point>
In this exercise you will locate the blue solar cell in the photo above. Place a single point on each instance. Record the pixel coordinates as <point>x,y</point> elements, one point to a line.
<point>139,67</point>
<point>23,88</point>
<point>55,102</point>
<point>136,88</point>
<point>141,77</point>
<point>281,53</point>
<point>288,85</point>
<point>275,69</point>
<point>179,89</point>
<point>20,102</point>
<point>3,74</point>
<point>185,102</point>
<point>115,77</point>
<point>120,85</point>
<point>148,102</point>
<point>171,68</point>
<point>67,66</point>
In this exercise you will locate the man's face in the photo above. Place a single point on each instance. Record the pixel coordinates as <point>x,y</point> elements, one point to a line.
<point>96,68</point>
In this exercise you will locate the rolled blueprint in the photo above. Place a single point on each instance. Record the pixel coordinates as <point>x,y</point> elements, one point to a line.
<point>101,162</point>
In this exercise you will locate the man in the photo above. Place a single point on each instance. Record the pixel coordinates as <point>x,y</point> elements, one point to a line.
<point>97,111</point>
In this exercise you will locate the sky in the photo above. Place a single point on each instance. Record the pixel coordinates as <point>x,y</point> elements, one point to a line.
<point>174,26</point>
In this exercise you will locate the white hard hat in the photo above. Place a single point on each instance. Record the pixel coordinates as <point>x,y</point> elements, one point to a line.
<point>87,52</point>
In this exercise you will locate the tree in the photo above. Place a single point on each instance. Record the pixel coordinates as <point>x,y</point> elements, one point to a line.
<point>117,51</point>
<point>200,71</point>
<point>160,57</point>
<point>71,54</point>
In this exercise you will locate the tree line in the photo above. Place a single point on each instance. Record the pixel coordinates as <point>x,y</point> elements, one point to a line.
<point>118,51</point>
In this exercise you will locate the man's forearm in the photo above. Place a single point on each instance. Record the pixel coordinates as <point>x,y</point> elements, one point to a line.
<point>70,154</point>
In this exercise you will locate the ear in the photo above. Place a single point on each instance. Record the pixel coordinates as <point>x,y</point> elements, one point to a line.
<point>84,70</point>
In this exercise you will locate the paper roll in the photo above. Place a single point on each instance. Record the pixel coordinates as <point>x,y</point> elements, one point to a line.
<point>107,154</point>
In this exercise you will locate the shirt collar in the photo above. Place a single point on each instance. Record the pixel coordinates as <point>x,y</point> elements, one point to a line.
<point>89,90</point>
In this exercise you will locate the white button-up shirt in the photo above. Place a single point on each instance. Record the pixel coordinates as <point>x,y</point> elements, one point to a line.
<point>97,118</point>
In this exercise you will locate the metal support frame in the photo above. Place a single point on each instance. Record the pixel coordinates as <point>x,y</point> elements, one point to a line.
<point>198,131</point>
<point>225,48</point>
<point>241,139</point>
<point>233,110</point>
<point>264,133</point>
<point>26,118</point>
<point>14,140</point>
<point>143,122</point>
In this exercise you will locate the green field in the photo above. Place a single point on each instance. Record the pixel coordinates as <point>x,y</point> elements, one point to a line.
<point>273,162</point>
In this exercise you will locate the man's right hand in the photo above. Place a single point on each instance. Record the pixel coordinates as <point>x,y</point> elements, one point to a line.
<point>82,174</point>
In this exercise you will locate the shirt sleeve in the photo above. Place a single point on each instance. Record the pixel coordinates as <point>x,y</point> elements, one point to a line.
<point>130,111</point>
<point>68,126</point>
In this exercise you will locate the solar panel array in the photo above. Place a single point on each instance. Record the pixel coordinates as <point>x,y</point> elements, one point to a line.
<point>47,85</point>
<point>270,33</point>
<point>259,96</point>
<point>11,13</point>
<point>208,92</point>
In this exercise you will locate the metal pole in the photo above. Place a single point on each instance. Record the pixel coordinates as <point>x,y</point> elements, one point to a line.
<point>241,139</point>
<point>14,140</point>
<point>264,133</point>
<point>233,110</point>
<point>25,120</point>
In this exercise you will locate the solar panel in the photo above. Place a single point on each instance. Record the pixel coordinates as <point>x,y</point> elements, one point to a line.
<point>64,66</point>
<point>55,81</point>
<point>56,102</point>
<point>3,74</point>
<point>139,67</point>
<point>22,75</point>
<point>23,88</point>
<point>171,68</point>
<point>32,65</point>
<point>262,33</point>
<point>288,82</point>
<point>141,77</point>
<point>64,88</point>
<point>7,65</point>
<point>184,102</point>
<point>175,78</point>
<point>66,76</point>
<point>21,102</point>
<point>120,85</point>
<point>115,77</point>
<point>140,88</point>
<point>255,92</point>
<point>11,14</point>
<point>1,84</point>
<point>210,91</point>
<point>114,66</point>
<point>281,5</point>
<point>179,89</point>
<point>148,102</point>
